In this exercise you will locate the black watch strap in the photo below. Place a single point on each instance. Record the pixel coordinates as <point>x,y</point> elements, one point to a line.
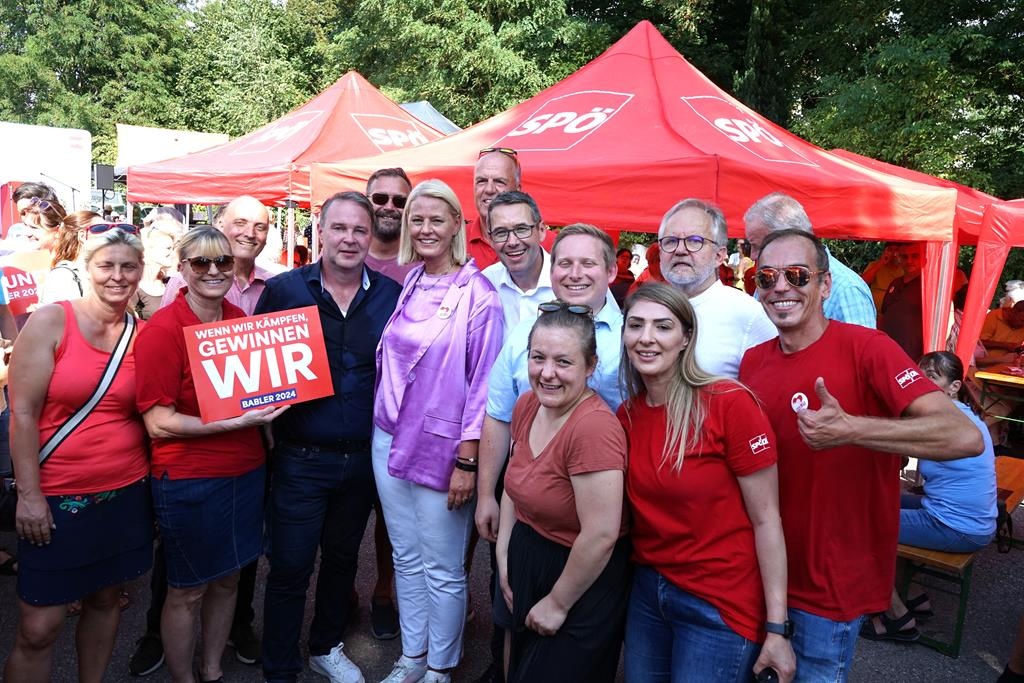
<point>785,629</point>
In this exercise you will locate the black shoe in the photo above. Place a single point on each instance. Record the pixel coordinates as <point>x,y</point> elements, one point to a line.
<point>493,674</point>
<point>383,619</point>
<point>148,655</point>
<point>246,644</point>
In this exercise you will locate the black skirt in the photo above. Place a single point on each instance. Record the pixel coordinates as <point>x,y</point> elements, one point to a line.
<point>586,647</point>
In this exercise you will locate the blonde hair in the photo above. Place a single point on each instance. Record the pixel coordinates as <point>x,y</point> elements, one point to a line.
<point>111,238</point>
<point>203,242</point>
<point>437,189</point>
<point>685,404</point>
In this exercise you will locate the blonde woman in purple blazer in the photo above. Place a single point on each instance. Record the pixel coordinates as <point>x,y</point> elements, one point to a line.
<point>432,366</point>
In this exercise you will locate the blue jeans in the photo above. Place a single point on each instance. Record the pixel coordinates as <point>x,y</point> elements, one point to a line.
<point>674,636</point>
<point>318,498</point>
<point>823,648</point>
<point>918,527</point>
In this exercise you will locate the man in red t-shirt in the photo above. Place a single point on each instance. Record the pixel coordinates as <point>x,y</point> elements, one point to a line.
<point>844,401</point>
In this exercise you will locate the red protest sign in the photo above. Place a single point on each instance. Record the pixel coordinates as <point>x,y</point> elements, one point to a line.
<point>23,276</point>
<point>264,360</point>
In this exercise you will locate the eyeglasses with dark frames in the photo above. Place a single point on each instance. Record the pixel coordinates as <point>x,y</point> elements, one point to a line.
<point>692,244</point>
<point>523,231</point>
<point>797,276</point>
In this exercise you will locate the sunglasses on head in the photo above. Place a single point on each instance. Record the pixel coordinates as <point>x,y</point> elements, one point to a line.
<point>798,276</point>
<point>100,228</point>
<point>36,203</point>
<point>381,199</point>
<point>200,265</point>
<point>557,305</point>
<point>507,151</point>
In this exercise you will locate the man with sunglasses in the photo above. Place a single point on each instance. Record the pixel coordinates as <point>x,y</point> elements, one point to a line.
<point>844,402</point>
<point>692,237</point>
<point>497,170</point>
<point>582,268</point>
<point>850,298</point>
<point>522,276</point>
<point>388,190</point>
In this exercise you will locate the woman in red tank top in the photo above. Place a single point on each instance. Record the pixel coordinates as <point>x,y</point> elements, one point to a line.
<point>84,519</point>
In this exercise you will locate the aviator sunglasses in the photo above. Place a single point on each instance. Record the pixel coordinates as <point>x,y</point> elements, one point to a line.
<point>200,265</point>
<point>381,199</point>
<point>798,276</point>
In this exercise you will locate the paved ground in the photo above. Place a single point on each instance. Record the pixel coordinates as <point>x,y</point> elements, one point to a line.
<point>997,601</point>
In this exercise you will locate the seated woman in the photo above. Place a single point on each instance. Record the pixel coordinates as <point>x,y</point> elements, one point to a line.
<point>562,552</point>
<point>702,485</point>
<point>956,514</point>
<point>207,477</point>
<point>84,518</point>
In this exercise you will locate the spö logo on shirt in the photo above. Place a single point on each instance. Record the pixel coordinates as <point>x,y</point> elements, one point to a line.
<point>758,443</point>
<point>907,377</point>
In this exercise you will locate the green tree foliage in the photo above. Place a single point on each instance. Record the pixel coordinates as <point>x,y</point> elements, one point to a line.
<point>237,71</point>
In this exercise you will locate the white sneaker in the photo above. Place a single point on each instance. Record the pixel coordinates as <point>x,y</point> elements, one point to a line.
<point>336,666</point>
<point>407,670</point>
<point>437,677</point>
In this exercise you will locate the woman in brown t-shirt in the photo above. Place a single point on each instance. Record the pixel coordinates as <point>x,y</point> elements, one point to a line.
<point>562,557</point>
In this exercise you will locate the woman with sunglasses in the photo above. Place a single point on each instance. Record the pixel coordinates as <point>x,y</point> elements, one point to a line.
<point>207,479</point>
<point>42,217</point>
<point>432,366</point>
<point>66,281</point>
<point>84,518</point>
<point>710,557</point>
<point>562,553</point>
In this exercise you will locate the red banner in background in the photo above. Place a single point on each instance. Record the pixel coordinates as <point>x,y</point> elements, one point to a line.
<point>23,276</point>
<point>265,360</point>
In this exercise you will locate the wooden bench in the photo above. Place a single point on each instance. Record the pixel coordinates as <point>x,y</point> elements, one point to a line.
<point>956,568</point>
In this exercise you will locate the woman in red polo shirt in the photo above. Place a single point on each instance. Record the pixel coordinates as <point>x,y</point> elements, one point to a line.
<point>207,478</point>
<point>702,486</point>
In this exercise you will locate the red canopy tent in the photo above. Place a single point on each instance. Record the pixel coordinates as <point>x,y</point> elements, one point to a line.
<point>639,128</point>
<point>349,119</point>
<point>1002,228</point>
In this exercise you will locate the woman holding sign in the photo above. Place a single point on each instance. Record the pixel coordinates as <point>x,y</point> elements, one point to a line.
<point>432,367</point>
<point>207,478</point>
<point>84,518</point>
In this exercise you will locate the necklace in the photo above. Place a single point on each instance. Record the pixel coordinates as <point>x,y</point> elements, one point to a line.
<point>436,278</point>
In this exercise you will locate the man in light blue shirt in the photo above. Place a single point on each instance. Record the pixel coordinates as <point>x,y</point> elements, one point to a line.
<point>850,300</point>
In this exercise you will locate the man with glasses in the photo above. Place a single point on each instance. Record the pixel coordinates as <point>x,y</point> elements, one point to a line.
<point>323,488</point>
<point>388,189</point>
<point>582,267</point>
<point>850,298</point>
<point>246,223</point>
<point>692,237</point>
<point>522,277</point>
<point>844,402</point>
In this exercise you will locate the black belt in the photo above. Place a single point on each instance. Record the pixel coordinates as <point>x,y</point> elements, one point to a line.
<point>336,446</point>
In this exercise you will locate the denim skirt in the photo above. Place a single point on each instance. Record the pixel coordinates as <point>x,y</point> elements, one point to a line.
<point>99,540</point>
<point>211,527</point>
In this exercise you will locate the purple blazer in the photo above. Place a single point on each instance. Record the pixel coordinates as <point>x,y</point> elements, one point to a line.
<point>445,380</point>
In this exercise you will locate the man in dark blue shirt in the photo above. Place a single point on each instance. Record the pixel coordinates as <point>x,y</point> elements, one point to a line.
<point>322,481</point>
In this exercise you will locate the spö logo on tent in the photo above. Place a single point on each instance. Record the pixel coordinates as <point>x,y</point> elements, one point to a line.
<point>565,121</point>
<point>391,132</point>
<point>744,129</point>
<point>283,130</point>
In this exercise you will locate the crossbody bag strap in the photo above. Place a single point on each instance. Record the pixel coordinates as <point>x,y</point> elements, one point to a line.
<point>113,364</point>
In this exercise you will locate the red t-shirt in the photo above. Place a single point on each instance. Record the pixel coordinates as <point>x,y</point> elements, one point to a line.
<point>840,507</point>
<point>591,440</point>
<point>477,245</point>
<point>163,362</point>
<point>108,450</point>
<point>692,526</point>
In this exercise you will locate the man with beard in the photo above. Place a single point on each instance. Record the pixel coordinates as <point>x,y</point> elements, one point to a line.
<point>388,189</point>
<point>693,238</point>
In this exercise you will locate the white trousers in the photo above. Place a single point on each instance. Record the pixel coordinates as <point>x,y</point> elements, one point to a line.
<point>429,542</point>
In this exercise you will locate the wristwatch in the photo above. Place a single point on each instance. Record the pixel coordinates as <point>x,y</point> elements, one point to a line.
<point>785,629</point>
